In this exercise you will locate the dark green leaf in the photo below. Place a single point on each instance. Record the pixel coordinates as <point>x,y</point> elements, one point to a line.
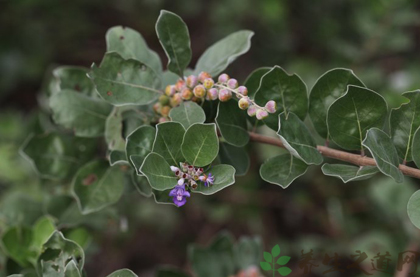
<point>122,273</point>
<point>141,184</point>
<point>232,123</point>
<point>162,197</point>
<point>79,235</point>
<point>73,78</point>
<point>404,121</point>
<point>297,139</point>
<point>175,39</point>
<point>97,185</point>
<point>384,153</point>
<point>168,140</point>
<point>348,173</point>
<point>17,242</point>
<point>117,157</point>
<point>416,148</point>
<point>218,56</point>
<point>139,144</point>
<point>187,114</point>
<point>282,170</point>
<point>125,82</point>
<point>235,156</point>
<point>283,260</point>
<point>131,45</point>
<point>351,115</point>
<point>413,209</point>
<point>200,145</point>
<point>265,266</point>
<point>84,115</point>
<point>275,251</point>
<point>329,87</point>
<point>42,230</point>
<point>114,130</point>
<point>158,172</point>
<point>224,176</point>
<point>284,271</point>
<point>252,82</point>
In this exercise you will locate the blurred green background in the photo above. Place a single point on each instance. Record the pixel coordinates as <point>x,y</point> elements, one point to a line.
<point>379,40</point>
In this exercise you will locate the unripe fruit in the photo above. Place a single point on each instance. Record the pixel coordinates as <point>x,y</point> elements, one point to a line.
<point>170,90</point>
<point>212,94</point>
<point>176,100</point>
<point>164,100</point>
<point>162,119</point>
<point>271,106</point>
<point>261,114</point>
<point>223,78</point>
<point>156,107</point>
<point>200,91</point>
<point>232,83</point>
<point>243,103</point>
<point>192,81</point>
<point>180,84</point>
<point>252,111</point>
<point>186,94</point>
<point>203,75</point>
<point>243,90</point>
<point>225,95</point>
<point>208,83</point>
<point>165,110</point>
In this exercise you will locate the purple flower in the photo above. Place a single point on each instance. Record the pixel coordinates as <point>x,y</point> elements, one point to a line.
<point>208,180</point>
<point>179,195</point>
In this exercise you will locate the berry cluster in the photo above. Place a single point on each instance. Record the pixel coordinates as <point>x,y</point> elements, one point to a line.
<point>203,87</point>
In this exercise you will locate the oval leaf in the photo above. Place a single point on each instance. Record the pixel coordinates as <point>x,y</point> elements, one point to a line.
<point>416,148</point>
<point>118,157</point>
<point>265,266</point>
<point>383,151</point>
<point>283,260</point>
<point>139,145</point>
<point>218,56</point>
<point>17,242</point>
<point>232,123</point>
<point>268,257</point>
<point>187,114</point>
<point>122,273</point>
<point>141,184</point>
<point>236,156</point>
<point>275,251</point>
<point>175,39</point>
<point>351,115</point>
<point>125,82</point>
<point>284,271</point>
<point>413,209</point>
<point>73,78</point>
<point>328,88</point>
<point>200,145</point>
<point>169,136</point>
<point>224,176</point>
<point>158,172</point>
<point>348,173</point>
<point>96,185</point>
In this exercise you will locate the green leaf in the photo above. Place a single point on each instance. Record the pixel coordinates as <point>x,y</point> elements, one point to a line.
<point>42,230</point>
<point>328,88</point>
<point>162,197</point>
<point>170,272</point>
<point>416,148</point>
<point>224,176</point>
<point>268,257</point>
<point>248,252</point>
<point>117,157</point>
<point>73,78</point>
<point>200,145</point>
<point>282,170</point>
<point>168,140</point>
<point>114,129</point>
<point>175,39</point>
<point>413,209</point>
<point>265,266</point>
<point>232,123</point>
<point>188,113</point>
<point>218,56</point>
<point>84,115</point>
<point>236,156</point>
<point>351,115</point>
<point>349,173</point>
<point>71,270</point>
<point>383,151</point>
<point>55,156</point>
<point>169,78</point>
<point>17,242</point>
<point>58,251</point>
<point>141,184</point>
<point>96,185</point>
<point>158,172</point>
<point>288,91</point>
<point>404,121</point>
<point>297,139</point>
<point>275,251</point>
<point>284,271</point>
<point>252,82</point>
<point>79,235</point>
<point>125,82</point>
<point>138,144</point>
<point>122,273</point>
<point>131,45</point>
<point>283,260</point>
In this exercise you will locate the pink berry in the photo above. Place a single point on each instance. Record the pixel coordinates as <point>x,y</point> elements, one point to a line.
<point>223,78</point>
<point>243,90</point>
<point>261,114</point>
<point>191,81</point>
<point>232,83</point>
<point>199,91</point>
<point>252,111</point>
<point>271,106</point>
<point>203,75</point>
<point>212,94</point>
<point>225,95</point>
<point>170,90</point>
<point>186,94</point>
<point>243,103</point>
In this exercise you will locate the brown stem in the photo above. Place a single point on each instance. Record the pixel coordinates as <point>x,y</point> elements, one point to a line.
<point>338,155</point>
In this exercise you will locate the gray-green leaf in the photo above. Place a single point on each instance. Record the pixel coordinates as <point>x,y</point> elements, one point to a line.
<point>413,209</point>
<point>71,270</point>
<point>138,144</point>
<point>252,82</point>
<point>73,78</point>
<point>232,123</point>
<point>158,172</point>
<point>416,148</point>
<point>122,273</point>
<point>168,140</point>
<point>224,176</point>
<point>187,114</point>
<point>348,173</point>
<point>118,157</point>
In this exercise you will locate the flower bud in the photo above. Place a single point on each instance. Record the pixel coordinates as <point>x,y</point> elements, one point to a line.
<point>164,100</point>
<point>203,75</point>
<point>170,90</point>
<point>176,100</point>
<point>225,95</point>
<point>180,84</point>
<point>208,83</point>
<point>243,90</point>
<point>232,83</point>
<point>192,81</point>
<point>193,184</point>
<point>212,94</point>
<point>200,91</point>
<point>243,103</point>
<point>223,78</point>
<point>181,181</point>
<point>174,168</point>
<point>162,119</point>
<point>186,94</point>
<point>261,114</point>
<point>252,110</point>
<point>157,107</point>
<point>165,111</point>
<point>271,106</point>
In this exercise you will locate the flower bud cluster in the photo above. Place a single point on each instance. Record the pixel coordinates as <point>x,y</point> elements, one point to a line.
<point>202,87</point>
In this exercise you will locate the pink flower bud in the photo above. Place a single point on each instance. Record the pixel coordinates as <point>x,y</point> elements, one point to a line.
<point>165,110</point>
<point>271,106</point>
<point>252,111</point>
<point>180,84</point>
<point>203,75</point>
<point>170,90</point>
<point>162,119</point>
<point>223,78</point>
<point>186,94</point>
<point>200,91</point>
<point>232,83</point>
<point>181,181</point>
<point>225,95</point>
<point>243,103</point>
<point>176,100</point>
<point>243,90</point>
<point>212,94</point>
<point>191,81</point>
<point>261,114</point>
<point>208,83</point>
<point>156,107</point>
<point>174,168</point>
